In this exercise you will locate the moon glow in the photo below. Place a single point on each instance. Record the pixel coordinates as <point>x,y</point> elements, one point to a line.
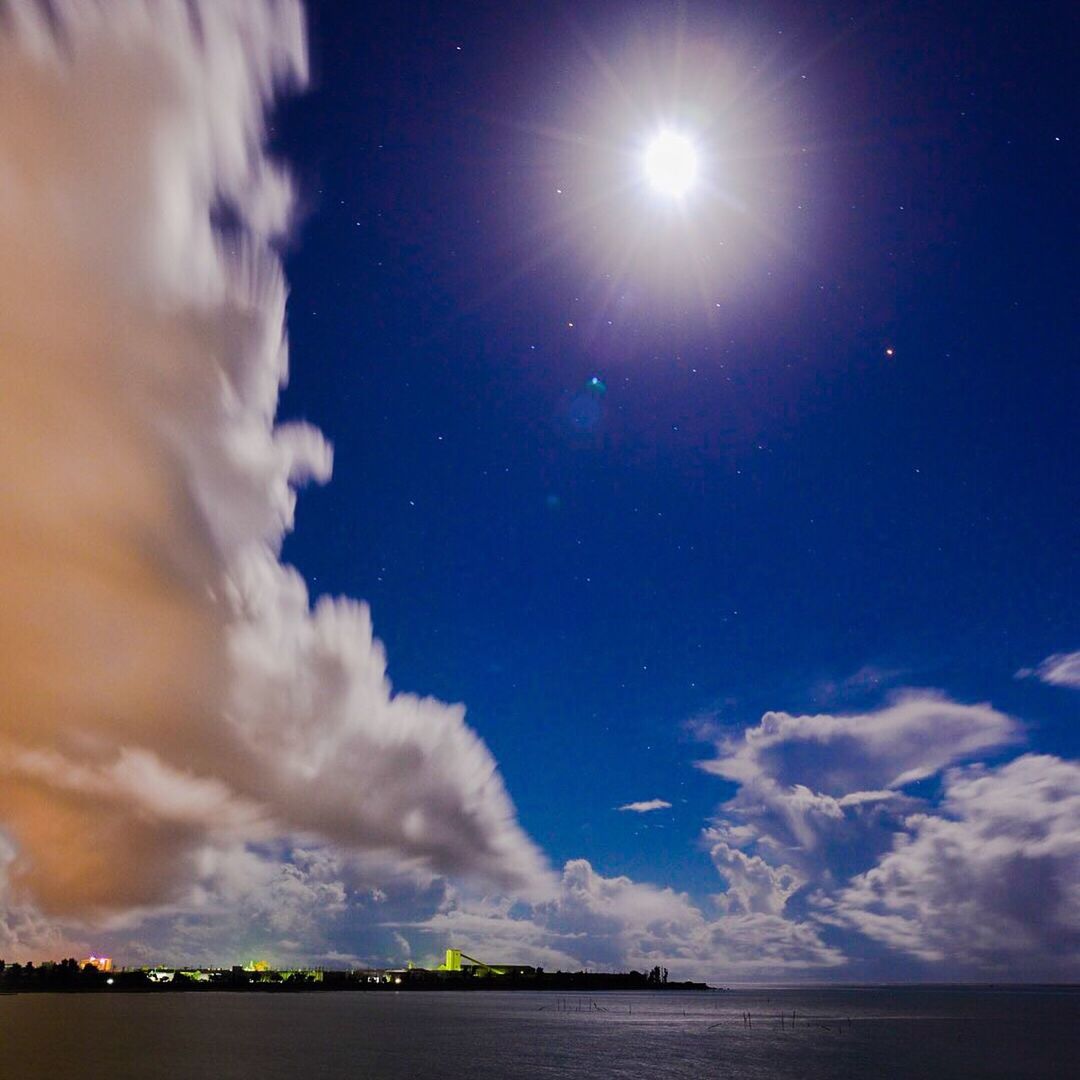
<point>671,164</point>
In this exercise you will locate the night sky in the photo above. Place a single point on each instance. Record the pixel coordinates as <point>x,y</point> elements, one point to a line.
<point>639,567</point>
<point>765,502</point>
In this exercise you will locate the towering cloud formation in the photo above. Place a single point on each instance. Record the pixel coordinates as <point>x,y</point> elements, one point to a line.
<point>167,690</point>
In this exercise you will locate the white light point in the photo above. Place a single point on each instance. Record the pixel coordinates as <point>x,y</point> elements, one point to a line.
<point>671,164</point>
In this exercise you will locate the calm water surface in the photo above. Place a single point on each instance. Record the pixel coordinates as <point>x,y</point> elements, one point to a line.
<point>1008,1034</point>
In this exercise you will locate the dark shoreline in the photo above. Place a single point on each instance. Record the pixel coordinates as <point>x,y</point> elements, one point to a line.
<point>68,977</point>
<point>325,987</point>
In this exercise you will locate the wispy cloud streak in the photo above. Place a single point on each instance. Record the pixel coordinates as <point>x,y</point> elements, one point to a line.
<point>1061,669</point>
<point>646,806</point>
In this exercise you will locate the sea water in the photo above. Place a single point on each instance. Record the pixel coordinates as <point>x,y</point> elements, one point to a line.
<point>804,1034</point>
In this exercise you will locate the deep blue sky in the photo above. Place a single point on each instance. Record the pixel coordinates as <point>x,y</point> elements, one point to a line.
<point>763,502</point>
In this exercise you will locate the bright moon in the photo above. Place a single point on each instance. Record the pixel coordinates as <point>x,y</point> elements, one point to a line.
<point>671,163</point>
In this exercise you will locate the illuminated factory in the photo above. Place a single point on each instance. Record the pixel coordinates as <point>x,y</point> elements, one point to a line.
<point>457,961</point>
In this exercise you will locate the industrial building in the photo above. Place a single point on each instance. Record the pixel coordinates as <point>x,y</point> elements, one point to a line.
<point>462,963</point>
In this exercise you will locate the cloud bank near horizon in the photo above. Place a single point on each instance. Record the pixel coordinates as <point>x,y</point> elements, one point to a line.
<point>171,694</point>
<point>837,857</point>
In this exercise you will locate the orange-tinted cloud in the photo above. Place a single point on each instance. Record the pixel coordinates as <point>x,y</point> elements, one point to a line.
<point>166,687</point>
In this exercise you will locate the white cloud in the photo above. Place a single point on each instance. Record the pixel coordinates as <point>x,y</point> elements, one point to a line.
<point>170,695</point>
<point>753,886</point>
<point>914,737</point>
<point>992,882</point>
<point>804,778</point>
<point>824,826</point>
<point>646,805</point>
<point>1061,669</point>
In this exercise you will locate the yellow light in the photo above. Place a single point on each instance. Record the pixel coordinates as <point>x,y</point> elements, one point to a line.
<point>671,164</point>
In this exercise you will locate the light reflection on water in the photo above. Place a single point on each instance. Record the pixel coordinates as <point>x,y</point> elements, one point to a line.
<point>386,1036</point>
